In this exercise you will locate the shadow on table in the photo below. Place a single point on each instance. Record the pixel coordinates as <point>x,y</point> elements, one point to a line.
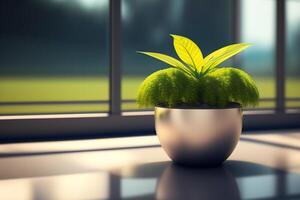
<point>233,181</point>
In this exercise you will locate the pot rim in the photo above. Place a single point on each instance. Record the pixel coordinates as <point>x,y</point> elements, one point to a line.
<point>204,107</point>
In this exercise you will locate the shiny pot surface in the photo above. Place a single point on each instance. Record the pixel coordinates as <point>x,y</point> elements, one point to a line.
<point>198,136</point>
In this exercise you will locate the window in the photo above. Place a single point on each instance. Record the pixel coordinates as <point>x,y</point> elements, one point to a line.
<point>292,91</point>
<point>53,56</point>
<point>258,28</point>
<point>70,60</point>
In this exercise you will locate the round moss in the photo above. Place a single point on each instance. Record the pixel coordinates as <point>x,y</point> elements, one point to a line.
<point>225,85</point>
<point>168,87</point>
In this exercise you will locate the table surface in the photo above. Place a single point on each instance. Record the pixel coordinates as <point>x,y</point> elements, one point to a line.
<point>265,165</point>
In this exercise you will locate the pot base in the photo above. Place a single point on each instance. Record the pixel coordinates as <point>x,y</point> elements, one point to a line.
<point>198,165</point>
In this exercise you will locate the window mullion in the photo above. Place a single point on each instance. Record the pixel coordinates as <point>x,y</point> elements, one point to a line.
<point>236,28</point>
<point>236,15</point>
<point>280,56</point>
<point>115,56</point>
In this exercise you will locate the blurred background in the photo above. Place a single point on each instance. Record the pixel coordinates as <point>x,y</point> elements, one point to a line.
<point>54,54</point>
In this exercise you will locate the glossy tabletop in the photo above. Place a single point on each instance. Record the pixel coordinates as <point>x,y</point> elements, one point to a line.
<point>263,166</point>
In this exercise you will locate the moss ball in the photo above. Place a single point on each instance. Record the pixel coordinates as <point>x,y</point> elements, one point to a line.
<point>168,87</point>
<point>225,85</point>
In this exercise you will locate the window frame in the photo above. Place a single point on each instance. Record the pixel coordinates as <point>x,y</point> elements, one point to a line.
<point>116,123</point>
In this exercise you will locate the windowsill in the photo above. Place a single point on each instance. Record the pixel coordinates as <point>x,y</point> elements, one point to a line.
<point>290,137</point>
<point>127,113</point>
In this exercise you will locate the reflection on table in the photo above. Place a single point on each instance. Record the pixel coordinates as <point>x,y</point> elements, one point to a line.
<point>233,181</point>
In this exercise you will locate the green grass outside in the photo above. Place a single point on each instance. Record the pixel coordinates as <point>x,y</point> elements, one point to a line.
<point>61,89</point>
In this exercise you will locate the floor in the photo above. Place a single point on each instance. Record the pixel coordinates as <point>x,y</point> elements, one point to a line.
<point>265,165</point>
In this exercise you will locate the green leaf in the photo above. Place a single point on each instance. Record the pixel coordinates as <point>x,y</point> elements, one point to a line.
<point>168,59</point>
<point>214,59</point>
<point>188,51</point>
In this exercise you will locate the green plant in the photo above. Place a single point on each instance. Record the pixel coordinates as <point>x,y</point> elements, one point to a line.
<point>196,80</point>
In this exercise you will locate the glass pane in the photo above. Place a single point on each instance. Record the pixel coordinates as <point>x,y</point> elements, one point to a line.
<point>292,53</point>
<point>258,28</point>
<point>53,56</point>
<point>146,26</point>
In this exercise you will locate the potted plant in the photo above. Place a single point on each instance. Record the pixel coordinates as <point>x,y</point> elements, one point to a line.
<point>198,105</point>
